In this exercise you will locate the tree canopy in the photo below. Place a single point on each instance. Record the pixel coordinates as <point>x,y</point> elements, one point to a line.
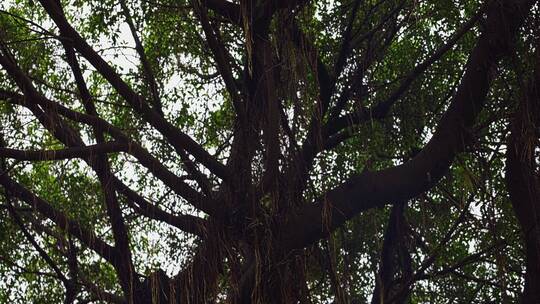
<point>269,151</point>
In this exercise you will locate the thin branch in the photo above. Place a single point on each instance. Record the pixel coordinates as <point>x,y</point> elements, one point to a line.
<point>176,183</point>
<point>61,154</point>
<point>68,225</point>
<point>222,59</point>
<point>147,68</point>
<point>380,110</point>
<point>177,138</point>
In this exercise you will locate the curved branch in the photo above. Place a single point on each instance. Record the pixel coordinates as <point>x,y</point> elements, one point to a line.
<point>374,189</point>
<point>187,223</point>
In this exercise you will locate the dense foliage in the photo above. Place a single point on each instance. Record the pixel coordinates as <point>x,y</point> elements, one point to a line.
<point>269,151</point>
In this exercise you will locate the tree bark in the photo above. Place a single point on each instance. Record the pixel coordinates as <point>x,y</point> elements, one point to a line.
<point>522,180</point>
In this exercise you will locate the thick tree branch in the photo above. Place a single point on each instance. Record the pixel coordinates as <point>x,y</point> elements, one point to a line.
<point>393,239</point>
<point>522,181</point>
<point>329,135</point>
<point>226,9</point>
<point>374,189</point>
